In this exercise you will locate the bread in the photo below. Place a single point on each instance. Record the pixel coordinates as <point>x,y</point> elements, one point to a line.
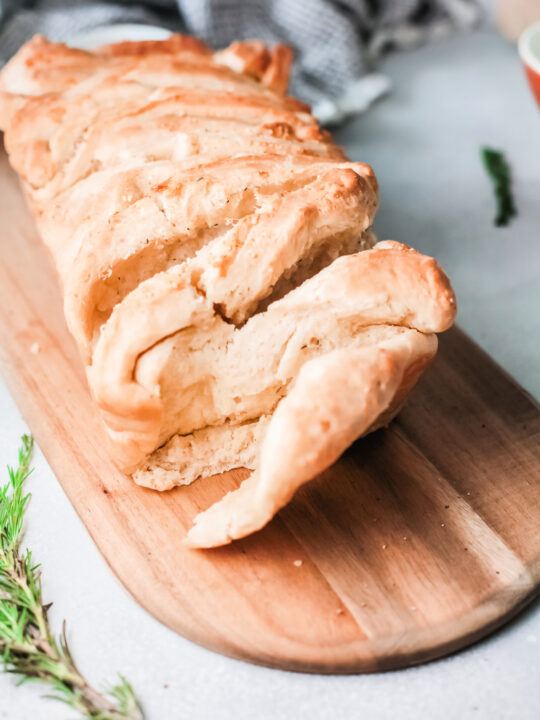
<point>219,271</point>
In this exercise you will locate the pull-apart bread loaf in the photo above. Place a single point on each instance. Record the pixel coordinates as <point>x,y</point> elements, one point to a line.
<point>219,272</point>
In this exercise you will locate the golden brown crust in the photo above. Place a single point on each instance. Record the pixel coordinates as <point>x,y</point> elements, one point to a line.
<point>197,217</point>
<point>270,67</point>
<point>173,45</point>
<point>41,67</point>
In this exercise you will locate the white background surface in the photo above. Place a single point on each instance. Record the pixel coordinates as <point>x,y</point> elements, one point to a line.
<point>423,143</point>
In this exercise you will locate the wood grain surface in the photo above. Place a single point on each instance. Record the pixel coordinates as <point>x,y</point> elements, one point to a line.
<point>423,538</point>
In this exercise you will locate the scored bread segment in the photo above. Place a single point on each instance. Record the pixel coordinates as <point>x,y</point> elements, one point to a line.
<point>196,216</point>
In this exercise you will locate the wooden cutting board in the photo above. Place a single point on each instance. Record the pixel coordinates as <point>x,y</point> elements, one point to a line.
<point>423,538</point>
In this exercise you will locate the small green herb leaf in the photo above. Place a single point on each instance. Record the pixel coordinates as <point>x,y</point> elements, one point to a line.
<point>499,171</point>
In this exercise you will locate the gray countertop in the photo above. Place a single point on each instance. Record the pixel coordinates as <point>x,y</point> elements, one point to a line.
<point>423,142</point>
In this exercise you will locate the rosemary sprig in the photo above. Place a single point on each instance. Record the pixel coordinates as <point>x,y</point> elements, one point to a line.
<point>499,171</point>
<point>27,645</point>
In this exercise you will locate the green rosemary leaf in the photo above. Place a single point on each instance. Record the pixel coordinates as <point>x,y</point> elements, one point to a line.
<point>125,696</point>
<point>28,647</point>
<point>499,171</point>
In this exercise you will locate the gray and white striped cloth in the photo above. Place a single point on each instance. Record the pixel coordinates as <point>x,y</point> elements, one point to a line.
<point>336,42</point>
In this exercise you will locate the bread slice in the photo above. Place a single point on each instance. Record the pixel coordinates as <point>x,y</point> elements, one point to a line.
<point>220,274</point>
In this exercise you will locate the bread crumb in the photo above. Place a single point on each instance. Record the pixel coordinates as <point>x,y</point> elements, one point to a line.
<point>384,546</point>
<point>34,348</point>
<point>297,563</point>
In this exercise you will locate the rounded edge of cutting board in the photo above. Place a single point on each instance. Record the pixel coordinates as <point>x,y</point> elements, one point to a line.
<point>371,656</point>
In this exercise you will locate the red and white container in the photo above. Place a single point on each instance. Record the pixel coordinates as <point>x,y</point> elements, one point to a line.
<point>529,51</point>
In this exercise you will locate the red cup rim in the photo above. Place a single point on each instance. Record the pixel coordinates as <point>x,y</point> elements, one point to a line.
<point>529,54</point>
